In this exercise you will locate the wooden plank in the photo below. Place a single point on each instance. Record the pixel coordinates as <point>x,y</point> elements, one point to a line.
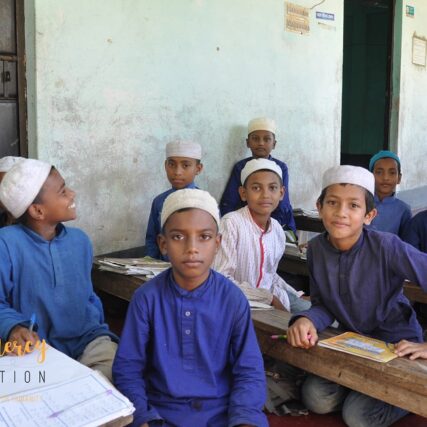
<point>400,382</point>
<point>414,293</point>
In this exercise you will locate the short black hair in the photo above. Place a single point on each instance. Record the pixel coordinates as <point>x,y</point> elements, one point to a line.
<point>369,198</point>
<point>263,170</point>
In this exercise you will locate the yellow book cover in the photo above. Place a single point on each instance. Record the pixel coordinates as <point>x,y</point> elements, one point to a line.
<point>359,345</point>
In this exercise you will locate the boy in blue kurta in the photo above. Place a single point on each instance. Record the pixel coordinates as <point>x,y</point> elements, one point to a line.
<point>261,141</point>
<point>182,165</point>
<point>188,355</point>
<point>45,270</point>
<point>356,277</point>
<point>393,215</point>
<point>416,231</point>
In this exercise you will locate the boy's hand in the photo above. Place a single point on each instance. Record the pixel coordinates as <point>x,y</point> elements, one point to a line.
<point>21,335</point>
<point>302,333</point>
<point>277,304</point>
<point>415,350</point>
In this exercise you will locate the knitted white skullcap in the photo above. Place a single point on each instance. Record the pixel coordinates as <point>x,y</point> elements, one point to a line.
<point>7,162</point>
<point>261,123</point>
<point>191,150</point>
<point>21,185</point>
<point>259,164</point>
<point>189,198</point>
<point>347,174</point>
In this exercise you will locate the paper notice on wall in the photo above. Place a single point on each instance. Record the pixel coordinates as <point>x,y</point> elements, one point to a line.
<point>419,50</point>
<point>297,18</point>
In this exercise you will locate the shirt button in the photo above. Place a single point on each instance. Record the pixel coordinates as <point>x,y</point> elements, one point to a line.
<point>188,313</point>
<point>187,331</point>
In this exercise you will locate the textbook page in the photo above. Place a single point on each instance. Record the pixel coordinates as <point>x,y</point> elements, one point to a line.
<point>43,367</point>
<point>86,401</point>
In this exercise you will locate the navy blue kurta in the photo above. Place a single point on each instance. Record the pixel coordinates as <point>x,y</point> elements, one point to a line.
<point>191,357</point>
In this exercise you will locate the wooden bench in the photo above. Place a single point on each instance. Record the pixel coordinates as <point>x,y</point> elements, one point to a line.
<point>400,382</point>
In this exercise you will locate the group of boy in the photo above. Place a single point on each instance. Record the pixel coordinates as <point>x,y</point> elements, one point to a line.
<point>188,353</point>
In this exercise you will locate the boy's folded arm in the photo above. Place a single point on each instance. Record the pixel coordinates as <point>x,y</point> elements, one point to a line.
<point>230,199</point>
<point>130,361</point>
<point>248,392</point>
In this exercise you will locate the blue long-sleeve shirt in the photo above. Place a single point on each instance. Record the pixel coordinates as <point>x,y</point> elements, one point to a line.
<point>191,358</point>
<point>362,287</point>
<point>230,200</point>
<point>153,226</point>
<point>393,215</point>
<point>53,280</point>
<point>416,231</point>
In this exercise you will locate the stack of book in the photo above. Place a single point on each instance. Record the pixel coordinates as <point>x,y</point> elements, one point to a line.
<point>311,213</point>
<point>146,266</point>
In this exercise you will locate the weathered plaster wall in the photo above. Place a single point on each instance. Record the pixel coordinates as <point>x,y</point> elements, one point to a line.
<point>114,81</point>
<point>412,126</point>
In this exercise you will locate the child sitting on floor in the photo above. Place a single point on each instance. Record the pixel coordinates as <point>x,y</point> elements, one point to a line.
<point>261,141</point>
<point>188,355</point>
<point>182,165</point>
<point>45,270</point>
<point>356,278</point>
<point>393,215</point>
<point>253,242</point>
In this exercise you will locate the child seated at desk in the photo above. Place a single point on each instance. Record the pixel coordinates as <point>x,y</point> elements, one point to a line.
<point>45,270</point>
<point>5,164</point>
<point>182,165</point>
<point>393,215</point>
<point>416,231</point>
<point>188,355</point>
<point>253,242</point>
<point>261,141</point>
<point>356,278</point>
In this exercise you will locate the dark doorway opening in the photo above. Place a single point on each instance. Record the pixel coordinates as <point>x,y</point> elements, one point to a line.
<point>368,34</point>
<point>13,112</point>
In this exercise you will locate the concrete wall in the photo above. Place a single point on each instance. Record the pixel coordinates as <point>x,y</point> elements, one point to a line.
<point>112,81</point>
<point>412,124</point>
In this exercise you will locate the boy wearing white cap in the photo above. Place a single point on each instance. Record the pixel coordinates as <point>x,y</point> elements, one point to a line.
<point>356,278</point>
<point>261,141</point>
<point>45,270</point>
<point>182,165</point>
<point>188,354</point>
<point>5,164</point>
<point>253,242</point>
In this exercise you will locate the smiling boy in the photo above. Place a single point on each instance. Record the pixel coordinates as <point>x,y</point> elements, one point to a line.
<point>45,270</point>
<point>188,355</point>
<point>393,215</point>
<point>253,242</point>
<point>356,277</point>
<point>182,165</point>
<point>261,140</point>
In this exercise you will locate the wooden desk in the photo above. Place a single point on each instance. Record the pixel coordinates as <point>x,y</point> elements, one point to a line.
<point>307,223</point>
<point>414,293</point>
<point>400,382</point>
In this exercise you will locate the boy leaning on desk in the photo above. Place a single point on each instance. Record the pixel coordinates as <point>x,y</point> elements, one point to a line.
<point>356,277</point>
<point>45,270</point>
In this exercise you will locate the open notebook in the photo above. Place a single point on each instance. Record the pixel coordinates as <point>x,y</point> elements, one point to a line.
<point>57,392</point>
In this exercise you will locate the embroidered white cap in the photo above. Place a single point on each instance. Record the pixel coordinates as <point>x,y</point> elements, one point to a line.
<point>21,185</point>
<point>189,198</point>
<point>188,149</point>
<point>259,164</point>
<point>261,123</point>
<point>347,174</point>
<point>7,162</point>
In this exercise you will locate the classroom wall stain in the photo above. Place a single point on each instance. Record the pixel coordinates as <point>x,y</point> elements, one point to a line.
<point>114,82</point>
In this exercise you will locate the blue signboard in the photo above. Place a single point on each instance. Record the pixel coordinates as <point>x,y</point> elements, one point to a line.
<point>324,15</point>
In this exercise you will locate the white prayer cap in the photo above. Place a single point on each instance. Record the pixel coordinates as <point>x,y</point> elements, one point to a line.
<point>191,150</point>
<point>7,162</point>
<point>349,175</point>
<point>21,185</point>
<point>189,198</point>
<point>259,164</point>
<point>262,123</point>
